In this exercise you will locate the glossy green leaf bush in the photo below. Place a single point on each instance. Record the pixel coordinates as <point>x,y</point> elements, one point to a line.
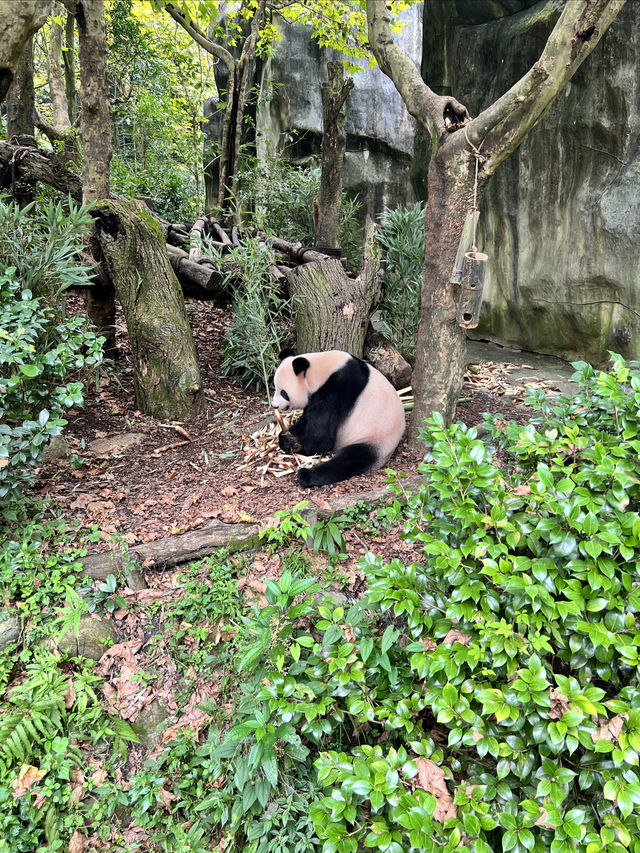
<point>505,657</point>
<point>44,355</point>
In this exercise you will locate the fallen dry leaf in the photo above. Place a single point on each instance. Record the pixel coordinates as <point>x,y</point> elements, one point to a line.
<point>70,695</point>
<point>167,798</point>
<point>99,776</point>
<point>28,776</point>
<point>559,704</point>
<point>78,843</point>
<point>611,729</point>
<point>431,779</point>
<point>457,637</point>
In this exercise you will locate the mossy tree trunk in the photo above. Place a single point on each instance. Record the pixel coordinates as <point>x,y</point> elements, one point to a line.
<point>333,310</point>
<point>95,132</point>
<point>20,111</point>
<point>166,374</point>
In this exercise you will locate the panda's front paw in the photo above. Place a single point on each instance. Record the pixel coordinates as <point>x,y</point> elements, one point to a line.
<point>304,478</point>
<point>289,441</point>
<point>285,440</point>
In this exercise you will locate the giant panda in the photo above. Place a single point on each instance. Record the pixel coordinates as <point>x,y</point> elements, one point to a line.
<point>349,407</point>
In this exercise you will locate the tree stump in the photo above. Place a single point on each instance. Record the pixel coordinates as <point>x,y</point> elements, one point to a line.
<point>332,310</point>
<point>166,374</point>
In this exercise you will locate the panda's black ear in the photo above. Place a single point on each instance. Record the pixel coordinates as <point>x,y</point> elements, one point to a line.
<point>300,365</point>
<point>285,353</point>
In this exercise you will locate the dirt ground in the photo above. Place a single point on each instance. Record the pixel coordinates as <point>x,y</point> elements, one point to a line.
<point>175,477</point>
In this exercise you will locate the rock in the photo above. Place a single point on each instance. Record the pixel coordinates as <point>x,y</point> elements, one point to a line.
<point>150,723</point>
<point>95,635</point>
<point>9,628</point>
<point>380,130</point>
<point>57,448</point>
<point>115,443</point>
<point>391,364</point>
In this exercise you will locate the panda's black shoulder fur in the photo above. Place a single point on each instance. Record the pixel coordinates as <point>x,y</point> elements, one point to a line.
<point>330,406</point>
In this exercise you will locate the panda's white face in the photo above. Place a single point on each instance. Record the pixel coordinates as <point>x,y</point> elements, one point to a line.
<point>291,390</point>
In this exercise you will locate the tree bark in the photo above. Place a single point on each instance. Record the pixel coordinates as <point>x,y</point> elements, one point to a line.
<point>326,210</point>
<point>20,112</point>
<point>19,22</point>
<point>166,375</point>
<point>60,129</point>
<point>95,132</point>
<point>20,97</point>
<point>333,310</point>
<point>37,165</point>
<point>500,129</point>
<point>69,62</point>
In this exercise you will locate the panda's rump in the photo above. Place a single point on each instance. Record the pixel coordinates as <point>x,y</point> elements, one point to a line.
<point>377,418</point>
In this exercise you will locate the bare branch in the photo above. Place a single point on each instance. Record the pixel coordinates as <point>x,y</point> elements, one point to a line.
<point>424,105</point>
<point>198,36</point>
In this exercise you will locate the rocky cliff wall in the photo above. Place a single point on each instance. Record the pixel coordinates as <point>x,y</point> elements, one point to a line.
<point>380,132</point>
<point>561,218</point>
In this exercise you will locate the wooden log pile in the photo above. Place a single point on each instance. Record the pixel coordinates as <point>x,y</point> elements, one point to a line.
<point>199,273</point>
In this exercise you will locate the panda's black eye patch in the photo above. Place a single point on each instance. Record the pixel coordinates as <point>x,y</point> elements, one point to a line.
<point>285,395</point>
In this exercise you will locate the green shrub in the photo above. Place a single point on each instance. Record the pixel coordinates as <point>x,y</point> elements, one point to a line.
<point>491,701</point>
<point>43,356</point>
<point>401,234</point>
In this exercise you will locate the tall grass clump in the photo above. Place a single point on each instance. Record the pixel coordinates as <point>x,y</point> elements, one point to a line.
<point>401,235</point>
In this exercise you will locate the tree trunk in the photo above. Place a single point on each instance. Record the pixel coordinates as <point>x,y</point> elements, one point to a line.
<point>19,22</point>
<point>95,132</point>
<point>20,111</point>
<point>333,310</point>
<point>499,130</point>
<point>166,375</point>
<point>37,165</point>
<point>326,210</point>
<point>60,123</point>
<point>69,62</point>
<point>441,344</point>
<point>20,97</point>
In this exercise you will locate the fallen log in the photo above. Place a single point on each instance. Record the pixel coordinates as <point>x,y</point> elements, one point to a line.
<point>199,274</point>
<point>36,165</point>
<point>298,252</point>
<point>195,239</point>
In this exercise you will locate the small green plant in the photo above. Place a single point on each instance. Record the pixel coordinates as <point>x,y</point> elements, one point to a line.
<point>290,524</point>
<point>401,234</point>
<point>259,325</point>
<point>103,597</point>
<point>327,537</point>
<point>278,197</point>
<point>44,357</point>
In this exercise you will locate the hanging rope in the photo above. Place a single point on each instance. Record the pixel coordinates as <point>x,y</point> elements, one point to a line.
<point>479,159</point>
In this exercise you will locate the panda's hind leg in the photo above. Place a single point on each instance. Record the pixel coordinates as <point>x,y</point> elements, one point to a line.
<point>346,462</point>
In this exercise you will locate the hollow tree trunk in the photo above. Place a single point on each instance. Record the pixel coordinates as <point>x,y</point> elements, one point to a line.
<point>333,310</point>
<point>166,375</point>
<point>326,210</point>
